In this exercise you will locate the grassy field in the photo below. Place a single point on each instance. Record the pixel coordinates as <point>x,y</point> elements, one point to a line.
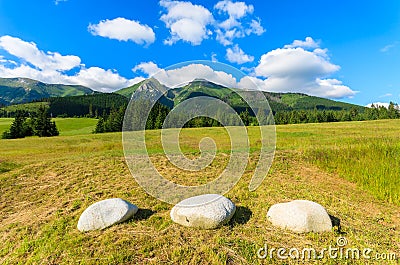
<point>66,126</point>
<point>46,183</point>
<point>5,124</point>
<point>30,107</point>
<point>75,126</point>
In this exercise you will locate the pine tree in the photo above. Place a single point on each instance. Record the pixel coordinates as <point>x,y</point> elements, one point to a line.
<point>17,129</point>
<point>245,117</point>
<point>99,126</point>
<point>393,113</point>
<point>20,127</point>
<point>42,124</point>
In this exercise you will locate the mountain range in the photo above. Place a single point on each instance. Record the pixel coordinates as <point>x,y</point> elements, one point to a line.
<point>202,87</point>
<point>22,90</point>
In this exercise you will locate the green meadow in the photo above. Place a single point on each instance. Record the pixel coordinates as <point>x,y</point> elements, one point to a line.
<point>351,168</point>
<point>66,126</point>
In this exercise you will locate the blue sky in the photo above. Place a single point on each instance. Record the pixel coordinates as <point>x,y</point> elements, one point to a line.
<point>347,50</point>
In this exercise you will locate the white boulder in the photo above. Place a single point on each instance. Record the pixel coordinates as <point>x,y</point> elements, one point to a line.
<point>300,216</point>
<point>206,211</point>
<point>105,213</point>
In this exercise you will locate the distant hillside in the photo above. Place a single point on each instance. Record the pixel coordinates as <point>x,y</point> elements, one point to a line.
<point>98,104</point>
<point>22,90</point>
<point>128,91</point>
<point>94,105</point>
<point>298,101</point>
<point>200,87</point>
<point>87,105</point>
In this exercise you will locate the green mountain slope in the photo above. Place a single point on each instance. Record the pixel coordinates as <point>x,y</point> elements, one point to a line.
<point>21,90</point>
<point>277,101</point>
<point>100,103</point>
<point>128,91</point>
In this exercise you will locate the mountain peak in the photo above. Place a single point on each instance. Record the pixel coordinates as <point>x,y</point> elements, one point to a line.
<point>22,90</point>
<point>204,83</point>
<point>200,80</point>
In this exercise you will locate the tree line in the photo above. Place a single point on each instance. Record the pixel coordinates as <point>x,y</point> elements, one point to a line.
<point>114,121</point>
<point>319,116</point>
<point>93,106</point>
<point>110,110</point>
<point>159,112</point>
<point>25,124</point>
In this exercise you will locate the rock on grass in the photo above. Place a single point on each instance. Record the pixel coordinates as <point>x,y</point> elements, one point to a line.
<point>106,213</point>
<point>206,211</point>
<point>300,216</point>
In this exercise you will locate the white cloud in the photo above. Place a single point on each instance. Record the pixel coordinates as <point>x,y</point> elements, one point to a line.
<point>378,104</point>
<point>237,55</point>
<point>28,52</point>
<point>194,23</point>
<point>186,21</point>
<point>237,25</point>
<point>388,47</point>
<point>102,80</point>
<point>255,27</point>
<point>309,43</point>
<point>294,69</point>
<point>235,10</point>
<point>23,70</point>
<point>331,88</point>
<point>123,29</point>
<point>148,68</point>
<point>289,62</point>
<point>50,67</point>
<point>183,75</point>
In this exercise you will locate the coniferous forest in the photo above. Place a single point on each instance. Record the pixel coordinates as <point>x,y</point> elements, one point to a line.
<point>38,124</point>
<point>110,110</point>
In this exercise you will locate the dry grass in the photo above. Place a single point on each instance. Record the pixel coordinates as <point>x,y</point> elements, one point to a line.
<point>53,180</point>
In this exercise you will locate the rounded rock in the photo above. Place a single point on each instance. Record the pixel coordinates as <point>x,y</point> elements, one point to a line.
<point>207,211</point>
<point>300,216</point>
<point>106,213</point>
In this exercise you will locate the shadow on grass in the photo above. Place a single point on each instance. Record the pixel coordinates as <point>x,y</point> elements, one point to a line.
<point>6,166</point>
<point>336,224</point>
<point>143,214</point>
<point>241,216</point>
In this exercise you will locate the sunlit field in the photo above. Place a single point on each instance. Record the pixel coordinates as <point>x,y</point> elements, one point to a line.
<point>66,126</point>
<point>351,168</point>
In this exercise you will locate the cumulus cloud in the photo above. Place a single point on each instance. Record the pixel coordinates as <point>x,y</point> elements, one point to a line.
<point>148,68</point>
<point>235,10</point>
<point>51,67</point>
<point>294,62</point>
<point>309,43</point>
<point>123,29</point>
<point>300,67</point>
<point>186,21</point>
<point>237,24</point>
<point>194,23</point>
<point>29,53</point>
<point>102,80</point>
<point>237,55</point>
<point>185,74</point>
